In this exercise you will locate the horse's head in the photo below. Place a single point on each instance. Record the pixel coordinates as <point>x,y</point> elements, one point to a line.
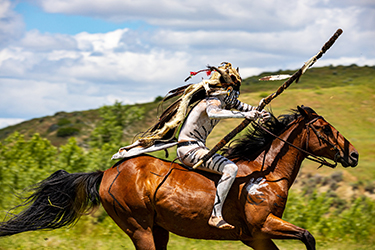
<point>324,140</point>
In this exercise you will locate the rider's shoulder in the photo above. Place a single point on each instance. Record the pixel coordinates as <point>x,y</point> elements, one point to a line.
<point>215,98</point>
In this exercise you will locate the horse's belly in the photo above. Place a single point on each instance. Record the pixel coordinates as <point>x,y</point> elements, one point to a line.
<point>186,213</point>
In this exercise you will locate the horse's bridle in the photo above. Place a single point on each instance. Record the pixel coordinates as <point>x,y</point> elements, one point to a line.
<point>325,140</point>
<point>311,156</point>
<point>321,138</point>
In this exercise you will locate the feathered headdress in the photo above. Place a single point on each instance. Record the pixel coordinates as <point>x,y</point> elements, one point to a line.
<point>223,78</point>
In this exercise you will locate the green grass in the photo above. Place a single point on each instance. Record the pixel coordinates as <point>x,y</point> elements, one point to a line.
<point>315,78</point>
<point>85,236</point>
<point>349,109</point>
<point>344,96</point>
<point>107,236</point>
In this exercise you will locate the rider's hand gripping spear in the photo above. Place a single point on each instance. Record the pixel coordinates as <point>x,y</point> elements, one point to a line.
<point>268,99</point>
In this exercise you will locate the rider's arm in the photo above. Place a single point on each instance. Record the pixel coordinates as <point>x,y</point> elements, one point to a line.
<point>214,111</point>
<point>241,106</point>
<point>244,107</point>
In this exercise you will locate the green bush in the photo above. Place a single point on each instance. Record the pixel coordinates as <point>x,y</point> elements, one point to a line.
<point>63,122</point>
<point>67,131</point>
<point>328,216</point>
<point>114,120</point>
<point>22,164</point>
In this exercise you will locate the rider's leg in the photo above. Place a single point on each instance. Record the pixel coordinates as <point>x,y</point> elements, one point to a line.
<point>126,148</point>
<point>190,155</point>
<point>229,174</point>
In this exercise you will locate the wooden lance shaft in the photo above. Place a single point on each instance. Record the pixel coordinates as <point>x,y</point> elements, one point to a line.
<point>268,99</point>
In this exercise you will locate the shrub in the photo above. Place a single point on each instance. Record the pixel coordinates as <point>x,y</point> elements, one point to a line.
<point>63,122</point>
<point>68,131</point>
<point>370,187</point>
<point>327,216</point>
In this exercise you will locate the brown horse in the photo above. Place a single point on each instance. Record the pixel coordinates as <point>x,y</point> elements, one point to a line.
<point>149,197</point>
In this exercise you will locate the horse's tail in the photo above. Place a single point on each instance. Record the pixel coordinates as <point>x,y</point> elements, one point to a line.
<point>58,201</point>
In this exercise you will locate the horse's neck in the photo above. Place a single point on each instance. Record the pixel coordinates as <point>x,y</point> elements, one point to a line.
<point>281,160</point>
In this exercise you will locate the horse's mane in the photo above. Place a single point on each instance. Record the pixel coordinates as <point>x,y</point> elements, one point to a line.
<point>256,138</point>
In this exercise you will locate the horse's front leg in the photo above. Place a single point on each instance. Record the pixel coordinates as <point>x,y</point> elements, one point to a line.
<point>262,244</point>
<point>276,228</point>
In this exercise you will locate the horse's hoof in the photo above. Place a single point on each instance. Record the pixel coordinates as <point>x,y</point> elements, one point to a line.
<point>220,223</point>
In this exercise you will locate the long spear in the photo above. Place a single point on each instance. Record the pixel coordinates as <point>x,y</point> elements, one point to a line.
<point>268,99</point>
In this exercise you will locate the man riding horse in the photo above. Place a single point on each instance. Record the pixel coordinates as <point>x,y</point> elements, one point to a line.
<point>211,101</point>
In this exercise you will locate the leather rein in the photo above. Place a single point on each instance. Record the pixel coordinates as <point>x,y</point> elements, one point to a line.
<point>311,156</point>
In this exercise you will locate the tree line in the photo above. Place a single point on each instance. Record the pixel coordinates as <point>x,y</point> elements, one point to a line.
<point>26,161</point>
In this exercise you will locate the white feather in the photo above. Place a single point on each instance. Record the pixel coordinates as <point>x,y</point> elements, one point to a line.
<point>274,78</point>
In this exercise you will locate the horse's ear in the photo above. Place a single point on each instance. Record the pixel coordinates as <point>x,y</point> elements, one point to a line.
<point>303,112</point>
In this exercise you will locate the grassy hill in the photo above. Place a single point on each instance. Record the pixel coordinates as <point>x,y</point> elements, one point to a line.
<point>343,95</point>
<point>62,125</point>
<point>316,80</point>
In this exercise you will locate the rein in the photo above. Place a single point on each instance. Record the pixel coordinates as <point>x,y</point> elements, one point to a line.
<point>310,156</point>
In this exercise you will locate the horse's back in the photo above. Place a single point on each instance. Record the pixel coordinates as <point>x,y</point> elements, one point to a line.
<point>137,175</point>
<point>149,177</point>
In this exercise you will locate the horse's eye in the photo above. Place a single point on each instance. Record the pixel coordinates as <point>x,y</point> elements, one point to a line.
<point>327,130</point>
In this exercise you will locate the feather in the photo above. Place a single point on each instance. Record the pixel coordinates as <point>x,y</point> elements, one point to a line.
<point>274,78</point>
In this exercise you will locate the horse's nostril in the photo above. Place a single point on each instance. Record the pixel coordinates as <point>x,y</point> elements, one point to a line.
<point>354,155</point>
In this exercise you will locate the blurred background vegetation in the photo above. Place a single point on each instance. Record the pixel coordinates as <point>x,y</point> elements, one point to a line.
<point>336,205</point>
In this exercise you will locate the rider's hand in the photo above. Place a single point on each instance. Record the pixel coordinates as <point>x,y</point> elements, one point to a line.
<point>255,114</point>
<point>252,115</point>
<point>265,116</point>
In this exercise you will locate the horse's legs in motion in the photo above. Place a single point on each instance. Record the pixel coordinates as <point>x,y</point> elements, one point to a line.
<point>137,222</point>
<point>161,237</point>
<point>276,228</point>
<point>264,244</point>
<point>139,230</point>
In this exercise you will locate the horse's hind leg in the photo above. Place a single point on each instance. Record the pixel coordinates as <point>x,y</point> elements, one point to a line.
<point>140,234</point>
<point>138,227</point>
<point>264,244</point>
<point>142,237</point>
<point>161,237</point>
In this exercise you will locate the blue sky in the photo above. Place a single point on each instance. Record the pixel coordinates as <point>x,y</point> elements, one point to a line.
<point>35,18</point>
<point>69,55</point>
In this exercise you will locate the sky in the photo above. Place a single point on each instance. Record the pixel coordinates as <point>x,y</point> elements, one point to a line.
<point>72,55</point>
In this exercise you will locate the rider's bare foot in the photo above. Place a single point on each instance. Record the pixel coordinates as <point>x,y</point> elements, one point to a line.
<point>219,222</point>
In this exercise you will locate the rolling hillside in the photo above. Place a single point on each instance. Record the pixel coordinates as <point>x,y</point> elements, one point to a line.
<point>344,95</point>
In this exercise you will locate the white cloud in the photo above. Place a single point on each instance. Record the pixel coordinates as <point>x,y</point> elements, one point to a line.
<point>86,74</point>
<point>254,16</point>
<point>11,24</point>
<point>99,42</point>
<point>360,61</point>
<point>42,73</point>
<point>5,122</point>
<point>35,41</point>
